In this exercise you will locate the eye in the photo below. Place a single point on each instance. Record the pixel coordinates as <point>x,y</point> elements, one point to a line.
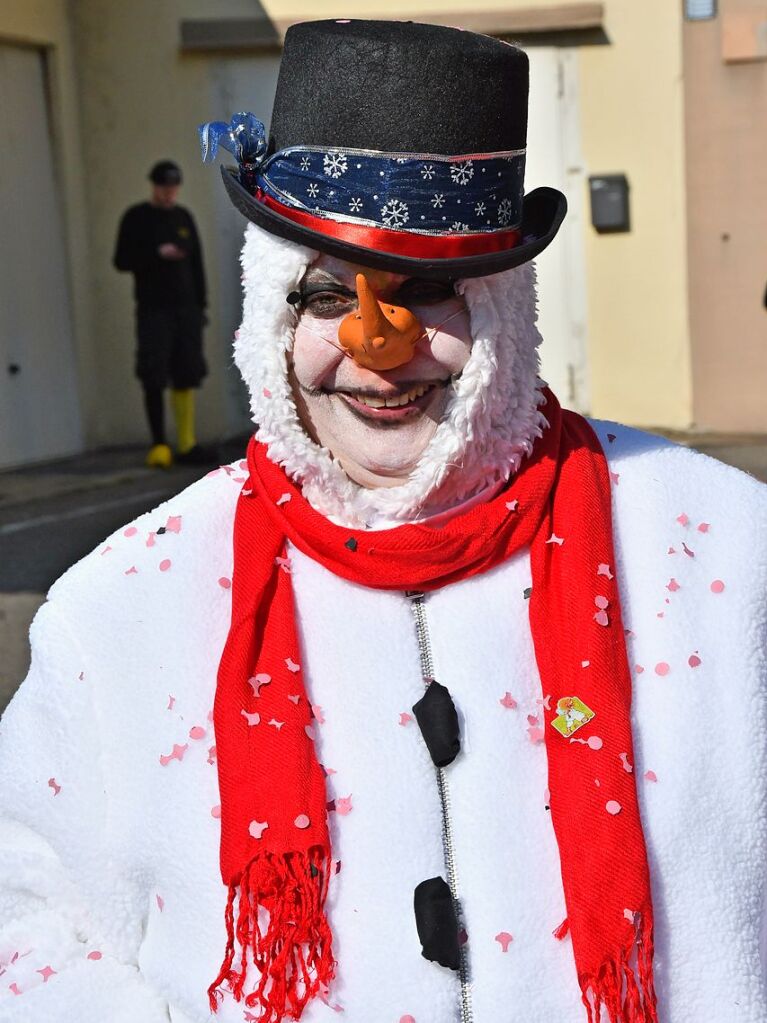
<point>328,304</point>
<point>420,292</point>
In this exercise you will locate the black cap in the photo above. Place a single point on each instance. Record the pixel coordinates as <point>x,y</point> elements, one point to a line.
<point>166,172</point>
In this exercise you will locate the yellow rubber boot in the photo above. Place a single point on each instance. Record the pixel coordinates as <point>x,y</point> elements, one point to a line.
<point>159,456</point>
<point>182,403</point>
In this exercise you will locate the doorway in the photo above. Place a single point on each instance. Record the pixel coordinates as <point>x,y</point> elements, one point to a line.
<point>39,405</point>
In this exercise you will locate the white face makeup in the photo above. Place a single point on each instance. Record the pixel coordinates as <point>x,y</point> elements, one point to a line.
<point>375,423</point>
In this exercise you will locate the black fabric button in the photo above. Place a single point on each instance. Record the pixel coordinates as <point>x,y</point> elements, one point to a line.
<point>437,923</point>
<point>437,718</point>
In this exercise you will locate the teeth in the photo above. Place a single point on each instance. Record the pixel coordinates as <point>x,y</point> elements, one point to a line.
<point>399,400</point>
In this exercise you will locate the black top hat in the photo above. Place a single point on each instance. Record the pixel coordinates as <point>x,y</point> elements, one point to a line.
<point>395,145</point>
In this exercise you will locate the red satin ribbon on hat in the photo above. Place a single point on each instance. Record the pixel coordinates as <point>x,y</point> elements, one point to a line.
<point>399,243</point>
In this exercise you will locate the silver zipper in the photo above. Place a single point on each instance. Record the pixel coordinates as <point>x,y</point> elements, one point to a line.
<point>418,604</point>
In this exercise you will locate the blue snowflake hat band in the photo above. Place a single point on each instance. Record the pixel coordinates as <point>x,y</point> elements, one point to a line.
<point>419,193</point>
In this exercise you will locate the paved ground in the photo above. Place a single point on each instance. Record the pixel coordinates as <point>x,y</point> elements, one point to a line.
<point>52,515</point>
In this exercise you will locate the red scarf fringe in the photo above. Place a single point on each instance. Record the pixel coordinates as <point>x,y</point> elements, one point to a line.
<point>624,988</point>
<point>292,949</point>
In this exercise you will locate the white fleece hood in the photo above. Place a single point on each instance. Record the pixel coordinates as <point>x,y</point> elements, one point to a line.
<point>491,418</point>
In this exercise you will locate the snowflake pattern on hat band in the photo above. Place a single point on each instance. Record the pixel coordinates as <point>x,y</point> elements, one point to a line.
<point>417,193</point>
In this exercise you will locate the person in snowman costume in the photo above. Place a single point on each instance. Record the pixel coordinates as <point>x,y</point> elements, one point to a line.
<point>287,748</point>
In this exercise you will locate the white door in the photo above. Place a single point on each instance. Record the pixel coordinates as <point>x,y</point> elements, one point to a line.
<point>39,407</point>
<point>553,158</point>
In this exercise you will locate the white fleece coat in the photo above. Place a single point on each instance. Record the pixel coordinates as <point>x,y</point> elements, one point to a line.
<point>111,903</point>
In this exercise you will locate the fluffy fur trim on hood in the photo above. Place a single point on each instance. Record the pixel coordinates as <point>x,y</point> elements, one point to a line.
<point>491,419</point>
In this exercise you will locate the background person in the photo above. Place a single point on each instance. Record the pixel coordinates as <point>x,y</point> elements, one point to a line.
<point>158,243</point>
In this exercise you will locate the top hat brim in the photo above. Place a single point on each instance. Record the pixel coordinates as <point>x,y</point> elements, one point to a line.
<point>543,211</point>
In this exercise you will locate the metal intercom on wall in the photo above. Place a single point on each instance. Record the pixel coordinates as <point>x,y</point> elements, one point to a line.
<point>610,203</point>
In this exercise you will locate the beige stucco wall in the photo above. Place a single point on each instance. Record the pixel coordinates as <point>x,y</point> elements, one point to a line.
<point>142,99</point>
<point>632,113</point>
<point>46,24</point>
<point>727,190</point>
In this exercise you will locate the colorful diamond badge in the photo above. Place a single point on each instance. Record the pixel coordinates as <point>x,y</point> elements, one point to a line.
<point>572,714</point>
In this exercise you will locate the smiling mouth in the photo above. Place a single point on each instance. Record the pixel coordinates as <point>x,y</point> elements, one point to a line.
<point>389,408</point>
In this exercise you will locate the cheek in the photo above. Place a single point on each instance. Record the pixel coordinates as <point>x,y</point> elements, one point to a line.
<point>450,346</point>
<point>314,358</point>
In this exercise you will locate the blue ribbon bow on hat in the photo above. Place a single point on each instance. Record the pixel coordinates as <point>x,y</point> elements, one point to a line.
<point>244,137</point>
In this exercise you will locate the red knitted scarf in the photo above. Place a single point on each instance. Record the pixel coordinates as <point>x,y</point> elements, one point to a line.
<point>275,849</point>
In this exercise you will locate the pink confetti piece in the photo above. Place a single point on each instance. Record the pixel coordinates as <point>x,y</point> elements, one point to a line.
<point>624,759</point>
<point>512,505</point>
<point>276,724</point>
<point>504,939</point>
<point>252,719</point>
<point>555,539</point>
<point>46,973</point>
<point>257,828</point>
<point>160,902</point>
<point>283,563</point>
<point>310,732</point>
<point>650,776</point>
<point>257,681</point>
<point>294,698</point>
<point>165,564</point>
<point>688,552</point>
<point>613,807</point>
<point>506,701</point>
<point>671,550</point>
<point>196,732</point>
<point>173,525</point>
<point>605,571</point>
<point>344,805</point>
<point>131,571</point>
<point>532,719</point>
<point>266,392</point>
<point>638,668</point>
<point>601,602</point>
<point>171,701</point>
<point>545,702</point>
<point>405,718</point>
<point>661,614</point>
<point>319,717</point>
<point>150,540</point>
<point>683,519</point>
<point>593,742</point>
<point>282,500</point>
<point>536,735</point>
<point>694,661</point>
<point>215,811</point>
<point>291,665</point>
<point>106,550</point>
<point>672,586</point>
<point>585,664</point>
<point>239,479</point>
<point>302,821</point>
<point>402,1019</point>
<point>717,586</point>
<point>212,755</point>
<point>630,915</point>
<point>53,784</point>
<point>661,668</point>
<point>704,527</point>
<point>130,531</point>
<point>601,618</point>
<point>615,477</point>
<point>176,754</point>
<point>224,583</point>
<point>14,988</point>
<point>94,956</point>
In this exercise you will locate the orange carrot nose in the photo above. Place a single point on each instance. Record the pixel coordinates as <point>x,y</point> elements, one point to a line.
<point>379,335</point>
